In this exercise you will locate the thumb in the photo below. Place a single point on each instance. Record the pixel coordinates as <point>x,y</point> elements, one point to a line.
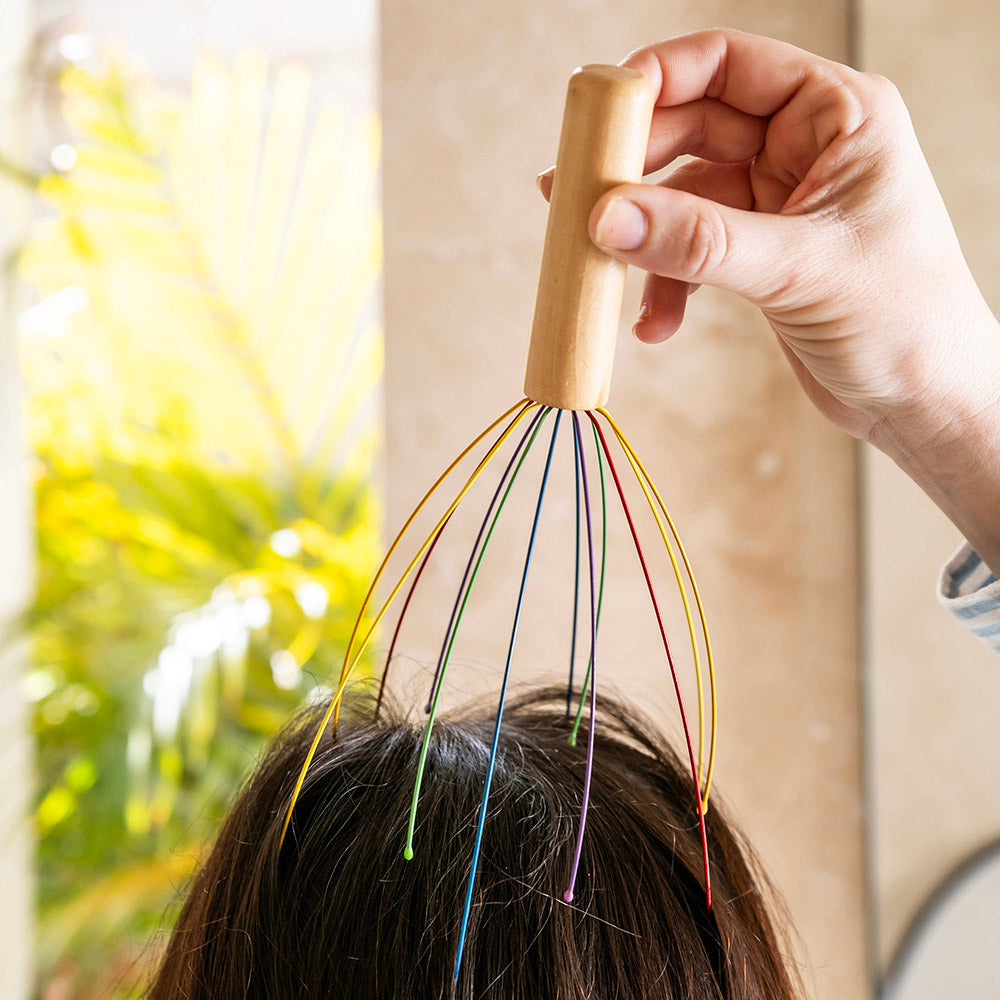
<point>680,235</point>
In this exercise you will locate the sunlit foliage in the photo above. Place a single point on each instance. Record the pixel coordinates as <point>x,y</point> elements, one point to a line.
<point>203,367</point>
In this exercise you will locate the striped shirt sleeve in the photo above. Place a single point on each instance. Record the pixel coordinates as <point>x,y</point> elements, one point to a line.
<point>971,593</point>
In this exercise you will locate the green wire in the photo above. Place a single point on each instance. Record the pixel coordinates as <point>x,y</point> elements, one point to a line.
<point>411,825</point>
<point>600,592</point>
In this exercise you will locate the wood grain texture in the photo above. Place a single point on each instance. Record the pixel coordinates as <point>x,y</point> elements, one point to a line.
<point>602,143</point>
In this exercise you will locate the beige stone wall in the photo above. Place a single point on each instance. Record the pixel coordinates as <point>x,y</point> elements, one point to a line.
<point>762,489</point>
<point>16,837</point>
<point>935,690</point>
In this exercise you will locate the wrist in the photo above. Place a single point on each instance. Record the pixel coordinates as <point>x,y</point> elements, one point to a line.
<point>947,440</point>
<point>947,390</point>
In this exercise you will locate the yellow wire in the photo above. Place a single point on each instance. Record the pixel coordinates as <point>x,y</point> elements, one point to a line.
<point>349,664</point>
<point>413,516</point>
<point>687,611</point>
<point>427,541</point>
<point>637,468</point>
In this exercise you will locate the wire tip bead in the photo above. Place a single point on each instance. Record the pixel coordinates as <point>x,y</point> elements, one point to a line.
<point>408,852</point>
<point>571,740</point>
<point>568,896</point>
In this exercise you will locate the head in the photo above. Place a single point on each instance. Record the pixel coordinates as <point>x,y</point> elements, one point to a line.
<point>337,912</point>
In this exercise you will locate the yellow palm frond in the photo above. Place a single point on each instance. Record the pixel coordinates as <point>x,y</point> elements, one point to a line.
<point>224,252</point>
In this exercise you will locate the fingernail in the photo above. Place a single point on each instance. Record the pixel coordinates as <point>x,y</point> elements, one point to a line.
<point>545,173</point>
<point>621,226</point>
<point>641,318</point>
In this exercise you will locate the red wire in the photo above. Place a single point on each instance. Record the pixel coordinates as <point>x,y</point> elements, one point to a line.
<point>402,614</point>
<point>670,659</point>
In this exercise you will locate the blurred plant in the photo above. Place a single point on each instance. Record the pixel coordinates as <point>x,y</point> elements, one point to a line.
<point>203,367</point>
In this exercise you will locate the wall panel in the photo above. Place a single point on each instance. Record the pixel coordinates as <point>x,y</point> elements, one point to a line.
<point>935,690</point>
<point>762,488</point>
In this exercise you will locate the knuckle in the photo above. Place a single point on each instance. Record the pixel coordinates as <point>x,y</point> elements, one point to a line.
<point>882,90</point>
<point>703,244</point>
<point>839,101</point>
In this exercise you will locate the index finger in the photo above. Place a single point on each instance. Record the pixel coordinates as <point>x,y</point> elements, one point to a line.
<point>757,75</point>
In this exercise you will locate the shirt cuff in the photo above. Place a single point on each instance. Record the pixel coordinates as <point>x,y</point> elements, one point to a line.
<point>970,591</point>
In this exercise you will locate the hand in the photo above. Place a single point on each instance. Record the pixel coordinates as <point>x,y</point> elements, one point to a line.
<point>811,198</point>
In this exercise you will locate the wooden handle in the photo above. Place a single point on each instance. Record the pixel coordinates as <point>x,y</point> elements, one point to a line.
<point>605,130</point>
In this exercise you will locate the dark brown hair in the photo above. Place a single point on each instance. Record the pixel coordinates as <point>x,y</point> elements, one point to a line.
<point>337,913</point>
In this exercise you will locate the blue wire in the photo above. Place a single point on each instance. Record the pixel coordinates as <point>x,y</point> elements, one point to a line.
<point>503,698</point>
<point>576,585</point>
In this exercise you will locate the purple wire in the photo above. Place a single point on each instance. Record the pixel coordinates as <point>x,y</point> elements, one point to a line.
<point>576,583</point>
<point>475,549</point>
<point>578,443</point>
